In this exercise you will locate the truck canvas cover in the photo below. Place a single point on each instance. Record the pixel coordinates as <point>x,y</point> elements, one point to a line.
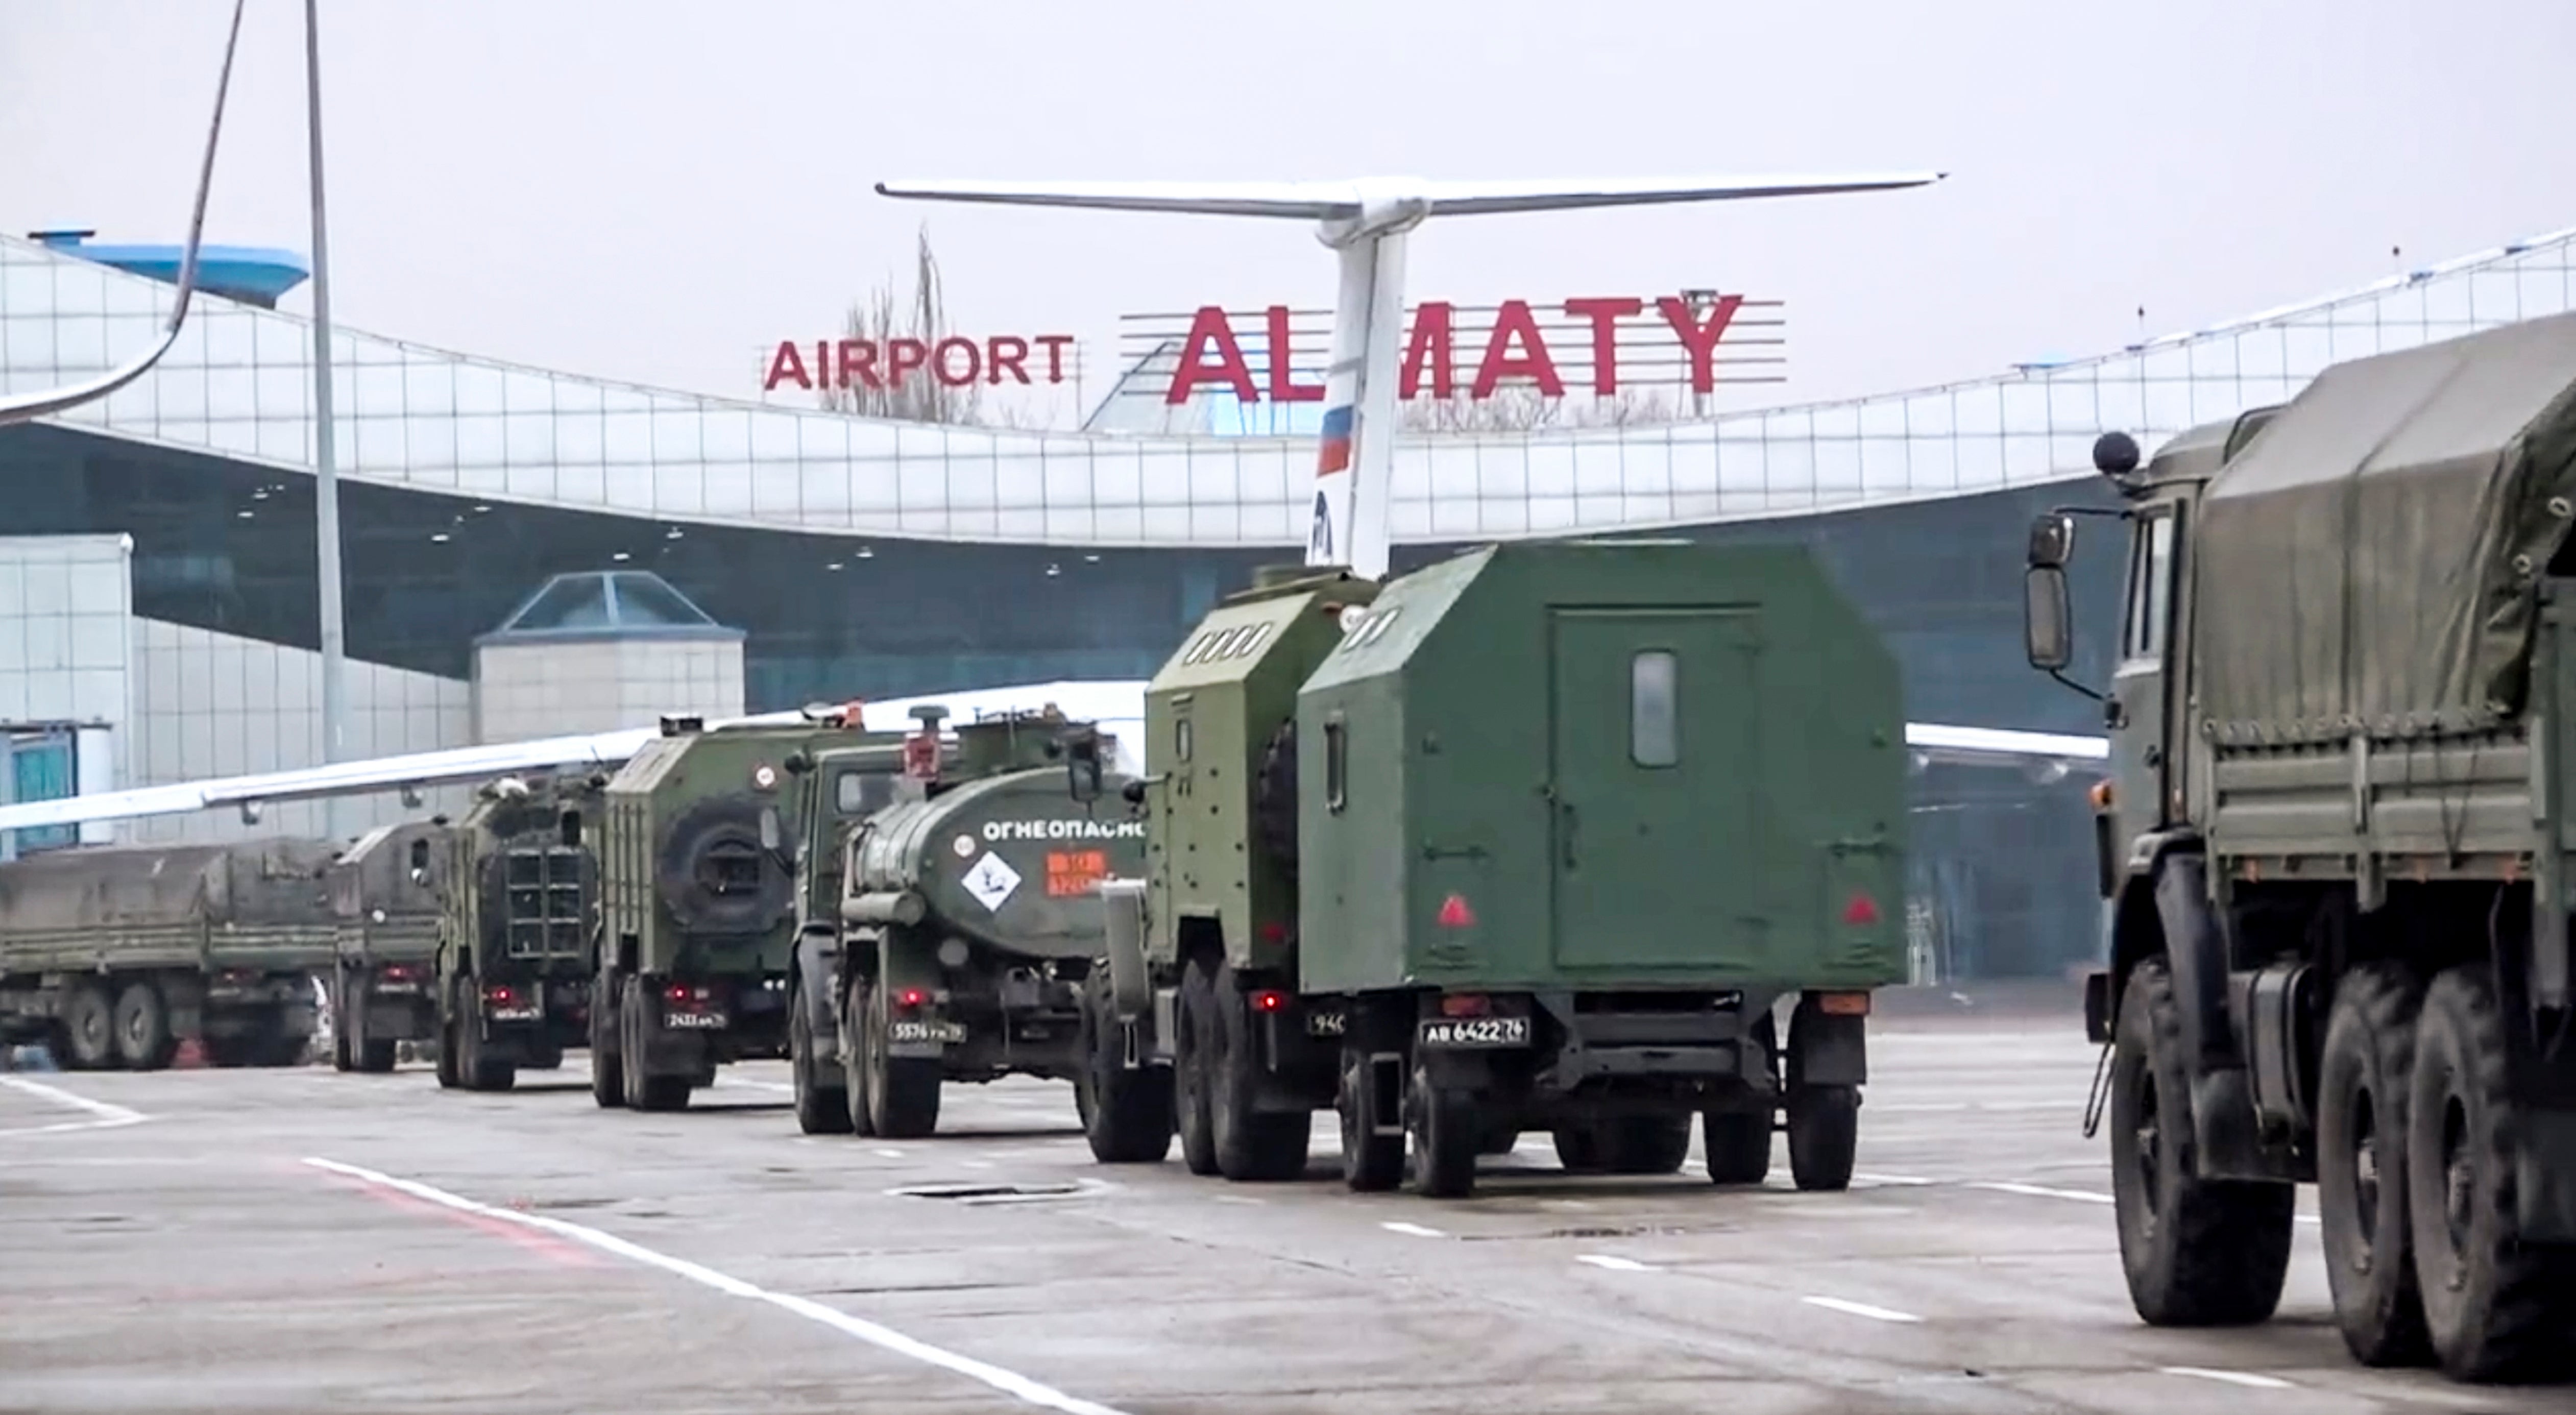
<point>2370,562</point>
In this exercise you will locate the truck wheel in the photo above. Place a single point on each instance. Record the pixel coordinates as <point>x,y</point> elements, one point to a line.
<point>854,1059</point>
<point>448,1079</point>
<point>89,1028</point>
<point>143,1027</point>
<point>1578,1149</point>
<point>1739,1145</point>
<point>1126,1115</point>
<point>2361,1165</point>
<point>819,1110</point>
<point>482,1070</point>
<point>375,1057</point>
<point>1253,1146</point>
<point>340,1045</point>
<point>1824,1136</point>
<point>903,1091</point>
<point>1445,1135</point>
<point>1371,1162</point>
<point>644,1091</point>
<point>1195,1026</point>
<point>607,1064</point>
<point>2495,1306</point>
<point>1647,1144</point>
<point>2196,1252</point>
<point>545,1055</point>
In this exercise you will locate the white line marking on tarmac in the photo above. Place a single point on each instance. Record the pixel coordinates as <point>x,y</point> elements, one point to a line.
<point>1616,1265</point>
<point>2238,1378</point>
<point>2041,1191</point>
<point>1860,1309</point>
<point>891,1154</point>
<point>1414,1229</point>
<point>107,1117</point>
<point>1892,1179</point>
<point>885,1338</point>
<point>781,1087</point>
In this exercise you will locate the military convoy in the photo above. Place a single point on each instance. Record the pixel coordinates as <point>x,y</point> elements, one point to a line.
<point>964,925</point>
<point>2338,842</point>
<point>513,986</point>
<point>116,956</point>
<point>385,898</point>
<point>1534,838</point>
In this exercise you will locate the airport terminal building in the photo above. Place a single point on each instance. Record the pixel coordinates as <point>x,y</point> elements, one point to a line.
<point>158,593</point>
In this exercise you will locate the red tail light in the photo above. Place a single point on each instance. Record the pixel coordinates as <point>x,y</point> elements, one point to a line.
<point>912,997</point>
<point>502,994</point>
<point>1466,1004</point>
<point>395,973</point>
<point>682,992</point>
<point>1269,1001</point>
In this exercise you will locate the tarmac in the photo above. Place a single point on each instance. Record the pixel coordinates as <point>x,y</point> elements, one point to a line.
<point>302,1240</point>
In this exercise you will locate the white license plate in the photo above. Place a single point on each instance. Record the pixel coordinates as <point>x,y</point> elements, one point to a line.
<point>397,989</point>
<point>694,1021</point>
<point>515,1014</point>
<point>914,1030</point>
<point>1474,1032</point>
<point>1327,1024</point>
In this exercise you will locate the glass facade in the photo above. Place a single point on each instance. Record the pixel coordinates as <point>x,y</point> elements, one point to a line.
<point>871,559</point>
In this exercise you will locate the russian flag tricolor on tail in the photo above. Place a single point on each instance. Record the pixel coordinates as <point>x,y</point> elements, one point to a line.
<point>1336,453</point>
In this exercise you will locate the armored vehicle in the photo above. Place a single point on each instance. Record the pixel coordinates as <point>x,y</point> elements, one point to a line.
<point>2337,843</point>
<point>1439,855</point>
<point>115,955</point>
<point>970,917</point>
<point>699,905</point>
<point>385,900</point>
<point>518,907</point>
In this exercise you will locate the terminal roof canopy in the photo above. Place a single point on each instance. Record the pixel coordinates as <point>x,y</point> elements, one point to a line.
<point>610,604</point>
<point>2371,560</point>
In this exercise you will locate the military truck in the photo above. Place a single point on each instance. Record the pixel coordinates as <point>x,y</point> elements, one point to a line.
<point>970,917</point>
<point>1534,838</point>
<point>518,905</point>
<point>836,787</point>
<point>699,907</point>
<point>385,901</point>
<point>117,955</point>
<point>2336,843</point>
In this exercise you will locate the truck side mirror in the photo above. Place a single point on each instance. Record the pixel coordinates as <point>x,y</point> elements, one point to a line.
<point>2047,634</point>
<point>771,834</point>
<point>419,855</point>
<point>2052,541</point>
<point>1082,766</point>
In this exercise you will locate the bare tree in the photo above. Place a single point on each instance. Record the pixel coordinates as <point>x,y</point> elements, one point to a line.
<point>921,396</point>
<point>1522,408</point>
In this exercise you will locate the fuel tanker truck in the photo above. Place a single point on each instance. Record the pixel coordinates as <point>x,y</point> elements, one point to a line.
<point>970,915</point>
<point>2338,843</point>
<point>515,934</point>
<point>385,896</point>
<point>699,901</point>
<point>115,955</point>
<point>1539,837</point>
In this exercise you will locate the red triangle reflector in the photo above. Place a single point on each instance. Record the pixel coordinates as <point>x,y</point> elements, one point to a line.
<point>1454,913</point>
<point>1861,910</point>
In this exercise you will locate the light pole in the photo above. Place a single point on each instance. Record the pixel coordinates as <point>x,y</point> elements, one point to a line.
<point>326,480</point>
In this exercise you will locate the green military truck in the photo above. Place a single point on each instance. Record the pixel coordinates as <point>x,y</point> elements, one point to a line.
<point>518,907</point>
<point>1534,838</point>
<point>117,955</point>
<point>699,907</point>
<point>2337,843</point>
<point>970,915</point>
<point>837,786</point>
<point>385,900</point>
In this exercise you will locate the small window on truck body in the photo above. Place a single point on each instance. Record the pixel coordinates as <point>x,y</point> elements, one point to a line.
<point>1654,725</point>
<point>2150,608</point>
<point>1337,763</point>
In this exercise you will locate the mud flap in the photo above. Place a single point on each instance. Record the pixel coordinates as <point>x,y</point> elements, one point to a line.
<point>909,959</point>
<point>1827,1049</point>
<point>2546,1177</point>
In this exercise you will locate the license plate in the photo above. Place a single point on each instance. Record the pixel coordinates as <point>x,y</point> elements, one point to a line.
<point>1474,1032</point>
<point>514,1014</point>
<point>694,1021</point>
<point>1327,1024</point>
<point>915,1030</point>
<point>397,989</point>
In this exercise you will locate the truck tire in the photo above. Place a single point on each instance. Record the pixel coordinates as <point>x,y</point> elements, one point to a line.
<point>1195,1023</point>
<point>644,1090</point>
<point>820,1110</point>
<point>2362,1086</point>
<point>854,1059</point>
<point>1824,1136</point>
<point>1646,1144</point>
<point>448,1079</point>
<point>2495,1307</point>
<point>1126,1115</point>
<point>375,1057</point>
<point>607,1064</point>
<point>1578,1149</point>
<point>340,1037</point>
<point>545,1054</point>
<point>143,1037</point>
<point>477,1067</point>
<point>2196,1252</point>
<point>89,1028</point>
<point>1445,1132</point>
<point>1371,1162</point>
<point>903,1091</point>
<point>1253,1146</point>
<point>1739,1145</point>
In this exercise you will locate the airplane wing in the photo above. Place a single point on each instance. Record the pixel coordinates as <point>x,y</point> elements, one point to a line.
<point>27,407</point>
<point>1978,746</point>
<point>1323,201</point>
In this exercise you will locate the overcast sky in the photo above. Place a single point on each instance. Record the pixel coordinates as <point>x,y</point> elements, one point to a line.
<point>659,190</point>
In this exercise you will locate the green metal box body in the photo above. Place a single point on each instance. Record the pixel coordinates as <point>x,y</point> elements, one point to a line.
<point>1591,766</point>
<point>1211,716</point>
